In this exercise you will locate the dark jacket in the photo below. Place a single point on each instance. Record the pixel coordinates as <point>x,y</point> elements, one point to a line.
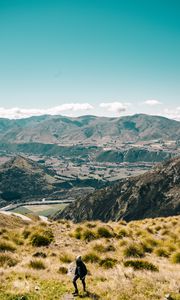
<point>81,270</point>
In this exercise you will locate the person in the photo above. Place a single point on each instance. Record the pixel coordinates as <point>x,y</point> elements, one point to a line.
<point>80,272</point>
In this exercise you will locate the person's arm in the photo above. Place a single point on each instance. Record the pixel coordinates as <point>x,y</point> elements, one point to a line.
<point>76,271</point>
<point>84,269</point>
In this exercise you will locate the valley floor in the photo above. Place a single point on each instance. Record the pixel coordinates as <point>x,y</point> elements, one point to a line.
<point>138,260</point>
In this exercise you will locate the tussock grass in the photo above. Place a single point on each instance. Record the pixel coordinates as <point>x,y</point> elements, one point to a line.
<point>91,257</point>
<point>37,264</point>
<point>66,258</point>
<point>15,237</point>
<point>152,242</point>
<point>162,252</point>
<point>7,246</point>
<point>102,248</point>
<point>40,254</point>
<point>91,225</point>
<point>41,238</point>
<point>63,270</point>
<point>104,232</point>
<point>88,235</point>
<point>26,233</point>
<point>7,260</point>
<point>133,250</point>
<point>138,264</point>
<point>175,258</point>
<point>108,278</point>
<point>122,233</point>
<point>108,263</point>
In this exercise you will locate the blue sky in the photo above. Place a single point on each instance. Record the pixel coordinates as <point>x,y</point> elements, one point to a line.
<point>103,57</point>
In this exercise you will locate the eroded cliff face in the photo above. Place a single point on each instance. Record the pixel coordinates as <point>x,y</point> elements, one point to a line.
<point>153,194</point>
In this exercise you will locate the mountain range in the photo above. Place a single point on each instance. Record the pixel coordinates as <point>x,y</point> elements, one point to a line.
<point>155,193</point>
<point>91,129</point>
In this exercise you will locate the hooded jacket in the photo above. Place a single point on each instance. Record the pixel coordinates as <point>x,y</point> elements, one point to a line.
<point>81,269</point>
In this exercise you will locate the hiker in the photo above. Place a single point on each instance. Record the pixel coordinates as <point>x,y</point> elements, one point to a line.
<point>80,272</point>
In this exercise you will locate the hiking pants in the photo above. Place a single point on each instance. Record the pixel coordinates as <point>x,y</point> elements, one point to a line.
<point>76,277</point>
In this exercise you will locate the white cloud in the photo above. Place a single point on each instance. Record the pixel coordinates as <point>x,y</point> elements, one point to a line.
<point>152,102</point>
<point>67,109</point>
<point>115,107</point>
<point>172,113</point>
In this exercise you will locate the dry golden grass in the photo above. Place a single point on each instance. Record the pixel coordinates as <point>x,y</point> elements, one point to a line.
<point>105,253</point>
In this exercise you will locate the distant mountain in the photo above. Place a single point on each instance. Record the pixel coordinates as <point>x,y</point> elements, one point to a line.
<point>91,129</point>
<point>155,193</point>
<point>22,178</point>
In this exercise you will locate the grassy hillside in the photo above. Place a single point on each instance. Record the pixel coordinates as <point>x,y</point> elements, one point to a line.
<point>138,260</point>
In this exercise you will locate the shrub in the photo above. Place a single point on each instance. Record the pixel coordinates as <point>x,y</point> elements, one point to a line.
<point>104,232</point>
<point>40,254</point>
<point>43,238</point>
<point>7,260</point>
<point>91,257</point>
<point>66,258</point>
<point>37,264</point>
<point>175,258</point>
<point>108,263</point>
<point>88,235</point>
<point>63,270</point>
<point>161,252</point>
<point>7,246</point>
<point>133,250</point>
<point>140,265</point>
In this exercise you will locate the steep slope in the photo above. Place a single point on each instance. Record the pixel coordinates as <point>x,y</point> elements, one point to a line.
<point>153,194</point>
<point>91,129</point>
<point>22,178</point>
